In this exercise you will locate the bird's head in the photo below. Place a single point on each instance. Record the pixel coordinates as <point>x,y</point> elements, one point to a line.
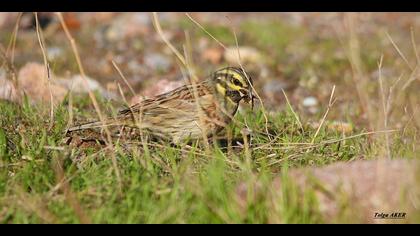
<point>234,84</point>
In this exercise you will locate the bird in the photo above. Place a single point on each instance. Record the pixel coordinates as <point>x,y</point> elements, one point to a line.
<point>190,112</point>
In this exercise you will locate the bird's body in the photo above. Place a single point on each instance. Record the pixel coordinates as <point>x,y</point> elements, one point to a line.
<point>188,112</point>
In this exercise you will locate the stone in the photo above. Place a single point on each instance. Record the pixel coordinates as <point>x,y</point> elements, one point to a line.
<point>248,55</point>
<point>33,81</point>
<point>8,90</point>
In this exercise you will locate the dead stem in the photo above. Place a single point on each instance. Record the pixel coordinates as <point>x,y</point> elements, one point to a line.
<point>384,107</point>
<point>208,33</point>
<point>34,205</point>
<point>413,42</point>
<point>92,97</point>
<point>359,77</point>
<point>399,51</point>
<point>10,69</point>
<point>123,77</point>
<point>201,115</point>
<point>68,193</point>
<point>249,82</point>
<point>311,145</point>
<point>12,43</point>
<point>187,63</point>
<point>47,67</point>
<point>330,104</point>
<point>293,111</point>
<point>158,28</point>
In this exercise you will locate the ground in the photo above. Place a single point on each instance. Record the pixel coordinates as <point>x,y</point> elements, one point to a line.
<point>338,98</point>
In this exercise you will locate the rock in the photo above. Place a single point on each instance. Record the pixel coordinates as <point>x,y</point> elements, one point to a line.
<point>161,86</point>
<point>54,53</point>
<point>246,193</point>
<point>273,94</point>
<point>352,190</point>
<point>334,126</point>
<point>157,61</point>
<point>33,81</point>
<point>248,55</point>
<point>128,25</point>
<point>310,102</point>
<point>368,186</point>
<point>8,19</point>
<point>340,127</point>
<point>98,17</point>
<point>112,87</point>
<point>72,20</point>
<point>136,68</point>
<point>77,84</point>
<point>8,90</point>
<point>213,55</point>
<point>274,87</point>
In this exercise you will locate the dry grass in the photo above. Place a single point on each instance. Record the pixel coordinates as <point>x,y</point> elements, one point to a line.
<point>145,181</point>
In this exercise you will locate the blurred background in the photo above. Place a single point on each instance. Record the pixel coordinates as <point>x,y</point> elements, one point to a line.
<point>369,61</point>
<point>304,54</point>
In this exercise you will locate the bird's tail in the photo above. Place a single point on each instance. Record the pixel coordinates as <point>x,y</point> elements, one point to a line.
<point>91,125</point>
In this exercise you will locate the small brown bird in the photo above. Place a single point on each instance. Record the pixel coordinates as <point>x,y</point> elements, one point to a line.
<point>189,112</point>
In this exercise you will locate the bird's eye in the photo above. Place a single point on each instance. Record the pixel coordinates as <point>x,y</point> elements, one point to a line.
<point>237,82</point>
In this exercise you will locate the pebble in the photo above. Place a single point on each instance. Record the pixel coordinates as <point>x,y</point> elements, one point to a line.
<point>7,88</point>
<point>213,55</point>
<point>157,61</point>
<point>310,102</point>
<point>125,26</point>
<point>33,81</point>
<point>248,55</point>
<point>77,84</point>
<point>54,53</point>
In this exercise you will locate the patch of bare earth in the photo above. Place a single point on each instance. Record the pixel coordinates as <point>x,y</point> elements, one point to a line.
<point>352,192</point>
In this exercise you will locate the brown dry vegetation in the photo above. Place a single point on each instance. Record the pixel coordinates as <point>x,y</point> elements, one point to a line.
<point>336,87</point>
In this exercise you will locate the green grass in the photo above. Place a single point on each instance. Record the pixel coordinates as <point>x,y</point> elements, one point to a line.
<point>166,185</point>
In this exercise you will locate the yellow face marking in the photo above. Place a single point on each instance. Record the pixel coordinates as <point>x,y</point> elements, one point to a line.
<point>235,75</point>
<point>220,89</point>
<point>234,87</point>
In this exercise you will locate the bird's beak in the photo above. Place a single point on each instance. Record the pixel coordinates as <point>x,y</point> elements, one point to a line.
<point>248,97</point>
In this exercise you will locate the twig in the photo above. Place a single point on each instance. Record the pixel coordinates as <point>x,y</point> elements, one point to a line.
<point>12,42</point>
<point>208,33</point>
<point>413,42</point>
<point>47,67</point>
<point>359,77</point>
<point>187,63</point>
<point>202,116</point>
<point>384,106</point>
<point>249,82</point>
<point>399,51</point>
<point>310,145</point>
<point>330,104</point>
<point>70,110</point>
<point>69,195</point>
<point>163,37</point>
<point>413,76</point>
<point>92,97</point>
<point>34,205</point>
<point>123,77</point>
<point>10,69</point>
<point>293,111</point>
<point>358,135</point>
